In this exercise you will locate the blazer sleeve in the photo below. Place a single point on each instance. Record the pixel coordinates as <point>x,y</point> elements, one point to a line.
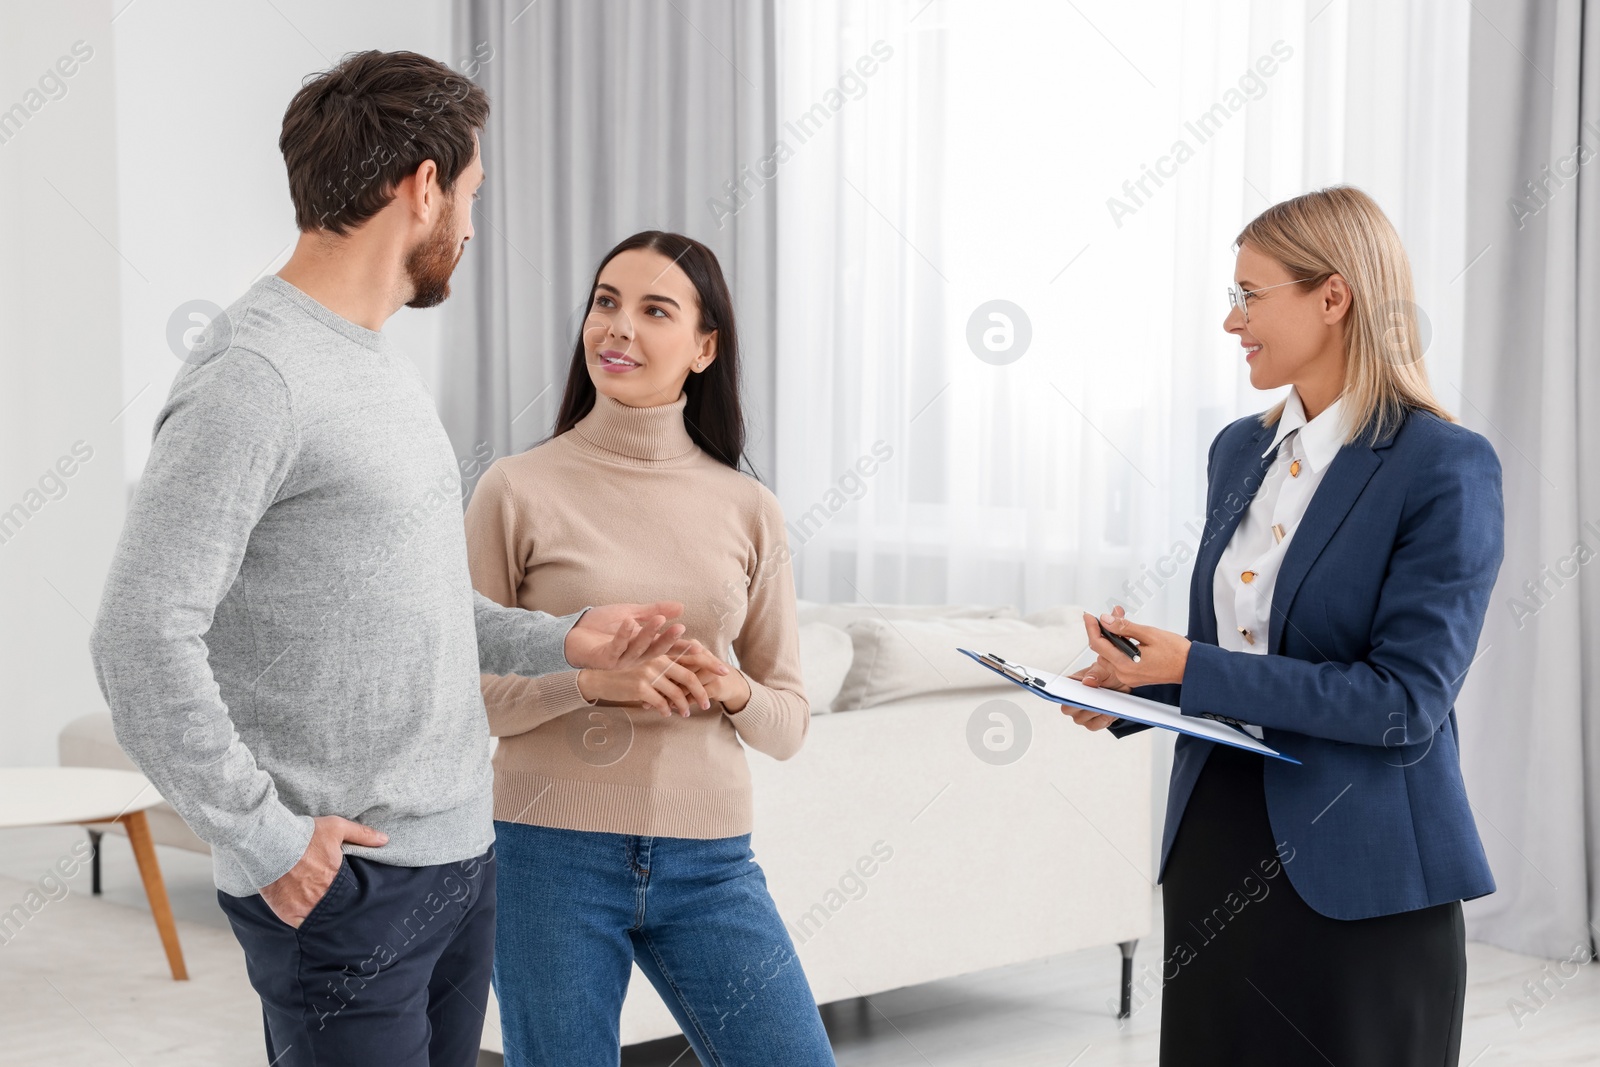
<point>1430,612</point>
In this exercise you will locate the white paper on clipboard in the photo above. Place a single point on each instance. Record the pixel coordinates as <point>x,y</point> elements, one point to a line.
<point>1059,689</point>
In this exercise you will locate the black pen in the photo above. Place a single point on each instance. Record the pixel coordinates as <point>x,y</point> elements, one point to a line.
<point>1124,645</point>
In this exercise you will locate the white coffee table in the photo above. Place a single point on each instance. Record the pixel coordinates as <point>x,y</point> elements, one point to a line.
<point>55,796</point>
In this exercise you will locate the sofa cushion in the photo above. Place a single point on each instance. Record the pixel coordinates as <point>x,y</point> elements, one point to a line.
<point>913,657</point>
<point>825,654</point>
<point>842,615</point>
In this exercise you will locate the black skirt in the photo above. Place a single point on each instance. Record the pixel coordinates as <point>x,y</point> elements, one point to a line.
<point>1252,975</point>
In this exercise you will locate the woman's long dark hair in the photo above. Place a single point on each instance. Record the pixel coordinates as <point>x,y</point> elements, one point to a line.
<point>711,413</point>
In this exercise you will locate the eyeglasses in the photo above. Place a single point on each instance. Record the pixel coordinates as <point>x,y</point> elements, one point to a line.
<point>1239,298</point>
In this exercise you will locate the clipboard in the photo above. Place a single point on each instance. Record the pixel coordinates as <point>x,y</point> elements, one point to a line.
<point>1059,689</point>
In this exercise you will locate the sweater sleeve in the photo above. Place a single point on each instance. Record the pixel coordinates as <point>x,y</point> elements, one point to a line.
<point>224,446</point>
<point>778,715</point>
<point>498,547</point>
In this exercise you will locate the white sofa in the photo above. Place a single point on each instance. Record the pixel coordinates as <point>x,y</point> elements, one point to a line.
<point>897,855</point>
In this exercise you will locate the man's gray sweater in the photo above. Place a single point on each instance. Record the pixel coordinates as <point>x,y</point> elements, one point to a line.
<point>288,629</point>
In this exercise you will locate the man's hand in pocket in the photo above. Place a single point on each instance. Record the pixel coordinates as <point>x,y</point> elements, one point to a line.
<point>292,897</point>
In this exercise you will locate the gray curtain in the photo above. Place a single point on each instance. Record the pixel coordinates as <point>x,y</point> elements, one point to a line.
<point>1531,715</point>
<point>608,117</point>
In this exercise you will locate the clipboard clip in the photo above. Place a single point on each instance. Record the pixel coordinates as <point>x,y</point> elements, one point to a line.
<point>1015,671</point>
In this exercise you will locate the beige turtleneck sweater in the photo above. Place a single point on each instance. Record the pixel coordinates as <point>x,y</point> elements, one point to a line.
<point>625,508</point>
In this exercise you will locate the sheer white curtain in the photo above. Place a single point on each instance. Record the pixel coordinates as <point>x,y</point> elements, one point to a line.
<point>1531,729</point>
<point>1088,163</point>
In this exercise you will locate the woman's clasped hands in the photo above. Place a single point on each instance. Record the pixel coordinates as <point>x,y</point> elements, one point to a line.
<point>687,676</point>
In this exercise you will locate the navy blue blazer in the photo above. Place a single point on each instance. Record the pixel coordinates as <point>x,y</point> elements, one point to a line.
<point>1375,620</point>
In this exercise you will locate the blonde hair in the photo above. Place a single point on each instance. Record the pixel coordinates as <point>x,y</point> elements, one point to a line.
<point>1341,230</point>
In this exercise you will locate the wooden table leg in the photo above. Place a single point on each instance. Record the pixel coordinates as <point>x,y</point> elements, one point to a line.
<point>144,850</point>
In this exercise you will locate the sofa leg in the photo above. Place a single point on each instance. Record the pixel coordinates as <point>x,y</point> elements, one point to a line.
<point>1127,948</point>
<point>94,863</point>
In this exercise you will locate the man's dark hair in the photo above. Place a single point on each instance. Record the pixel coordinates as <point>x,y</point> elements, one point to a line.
<point>351,134</point>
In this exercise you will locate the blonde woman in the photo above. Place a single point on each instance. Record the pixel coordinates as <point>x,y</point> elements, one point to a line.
<point>1352,538</point>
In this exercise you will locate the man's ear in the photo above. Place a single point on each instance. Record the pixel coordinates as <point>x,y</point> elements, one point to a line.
<point>421,190</point>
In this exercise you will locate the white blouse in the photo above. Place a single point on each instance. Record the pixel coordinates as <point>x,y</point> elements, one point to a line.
<point>1245,576</point>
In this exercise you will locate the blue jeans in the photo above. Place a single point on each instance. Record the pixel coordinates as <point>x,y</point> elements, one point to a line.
<point>576,909</point>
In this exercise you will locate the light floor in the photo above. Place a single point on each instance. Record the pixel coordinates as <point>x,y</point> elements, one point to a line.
<point>84,982</point>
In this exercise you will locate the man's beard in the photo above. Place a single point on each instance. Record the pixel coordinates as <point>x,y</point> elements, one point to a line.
<point>430,264</point>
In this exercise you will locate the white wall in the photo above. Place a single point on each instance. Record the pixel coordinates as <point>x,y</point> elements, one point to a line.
<point>168,188</point>
<point>205,206</point>
<point>59,380</point>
